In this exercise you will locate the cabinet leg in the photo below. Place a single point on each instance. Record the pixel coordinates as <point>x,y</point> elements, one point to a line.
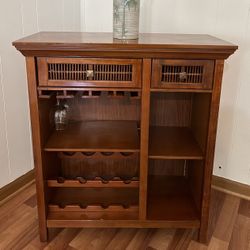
<point>43,232</point>
<point>202,237</point>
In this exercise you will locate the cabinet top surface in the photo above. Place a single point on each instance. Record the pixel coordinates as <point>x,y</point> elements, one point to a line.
<point>82,41</point>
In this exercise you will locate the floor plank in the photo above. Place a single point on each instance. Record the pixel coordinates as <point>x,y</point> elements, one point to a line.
<point>62,240</point>
<point>17,201</point>
<point>227,218</point>
<point>244,208</point>
<point>217,244</point>
<point>182,239</point>
<point>216,204</point>
<point>93,238</point>
<point>194,245</point>
<point>121,239</point>
<point>161,239</point>
<point>141,237</point>
<point>241,234</point>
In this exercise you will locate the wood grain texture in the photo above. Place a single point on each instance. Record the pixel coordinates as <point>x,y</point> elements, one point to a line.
<point>157,45</point>
<point>145,103</point>
<point>170,109</point>
<point>101,136</point>
<point>240,238</point>
<point>169,198</point>
<point>19,230</point>
<point>36,137</point>
<point>173,143</point>
<point>210,147</point>
<point>16,185</point>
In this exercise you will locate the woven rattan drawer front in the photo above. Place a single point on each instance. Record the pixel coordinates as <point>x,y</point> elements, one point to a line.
<point>192,74</point>
<point>100,72</point>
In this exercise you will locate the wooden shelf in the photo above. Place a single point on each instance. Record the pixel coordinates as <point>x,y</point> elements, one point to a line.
<point>169,198</point>
<point>97,136</point>
<point>111,220</point>
<point>94,196</point>
<point>93,204</point>
<point>173,143</point>
<point>97,183</point>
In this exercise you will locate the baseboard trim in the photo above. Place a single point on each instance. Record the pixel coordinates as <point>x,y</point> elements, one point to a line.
<point>231,187</point>
<point>16,186</point>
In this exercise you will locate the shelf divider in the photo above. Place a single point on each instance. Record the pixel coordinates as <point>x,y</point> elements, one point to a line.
<point>145,107</point>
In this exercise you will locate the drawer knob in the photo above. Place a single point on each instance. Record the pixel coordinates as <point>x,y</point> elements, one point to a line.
<point>183,76</point>
<point>90,73</point>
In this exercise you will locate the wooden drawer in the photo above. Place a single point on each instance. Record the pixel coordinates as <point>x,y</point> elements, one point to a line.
<point>193,74</point>
<point>81,72</point>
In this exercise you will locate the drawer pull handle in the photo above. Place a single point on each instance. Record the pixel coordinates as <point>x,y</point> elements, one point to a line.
<point>90,73</point>
<point>183,76</point>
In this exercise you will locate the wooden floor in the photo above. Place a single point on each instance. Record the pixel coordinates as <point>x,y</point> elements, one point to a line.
<point>229,229</point>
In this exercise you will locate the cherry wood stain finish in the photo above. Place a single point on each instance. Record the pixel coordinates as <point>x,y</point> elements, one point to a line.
<point>139,148</point>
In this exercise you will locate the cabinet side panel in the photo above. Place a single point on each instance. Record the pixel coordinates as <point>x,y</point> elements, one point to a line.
<point>145,108</point>
<point>200,118</point>
<point>212,129</point>
<point>43,71</point>
<point>195,179</point>
<point>35,124</point>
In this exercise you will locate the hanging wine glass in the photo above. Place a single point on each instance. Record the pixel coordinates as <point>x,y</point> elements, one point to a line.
<point>61,115</point>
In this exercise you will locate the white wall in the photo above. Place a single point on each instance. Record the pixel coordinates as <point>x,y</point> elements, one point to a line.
<point>19,18</point>
<point>227,19</point>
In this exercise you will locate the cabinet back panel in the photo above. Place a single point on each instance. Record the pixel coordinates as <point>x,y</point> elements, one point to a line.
<point>195,177</point>
<point>200,118</point>
<point>170,109</point>
<point>167,167</point>
<point>104,108</point>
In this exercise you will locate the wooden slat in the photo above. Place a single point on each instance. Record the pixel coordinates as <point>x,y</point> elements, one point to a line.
<point>94,184</point>
<point>93,208</point>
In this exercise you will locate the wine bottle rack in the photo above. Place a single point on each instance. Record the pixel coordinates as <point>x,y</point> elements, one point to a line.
<point>98,155</point>
<point>70,93</point>
<point>115,182</point>
<point>93,208</point>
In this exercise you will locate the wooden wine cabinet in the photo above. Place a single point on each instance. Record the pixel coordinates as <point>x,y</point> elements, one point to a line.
<point>139,148</point>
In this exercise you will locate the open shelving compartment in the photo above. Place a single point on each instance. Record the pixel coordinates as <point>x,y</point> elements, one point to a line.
<point>92,166</point>
<point>177,147</point>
